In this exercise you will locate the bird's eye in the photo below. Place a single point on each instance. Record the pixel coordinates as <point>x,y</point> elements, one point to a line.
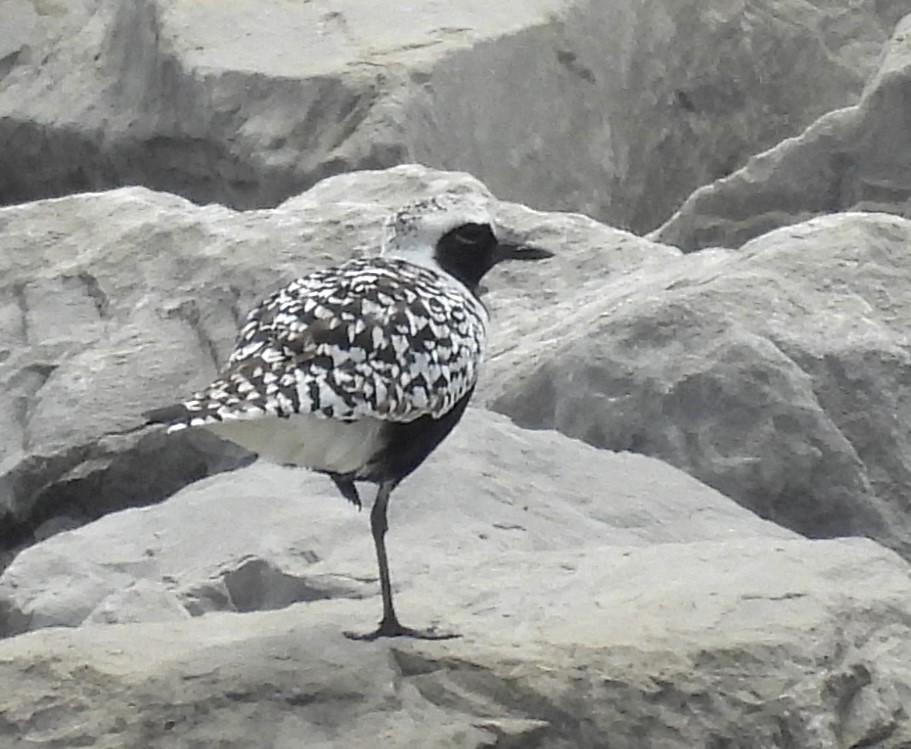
<point>472,234</point>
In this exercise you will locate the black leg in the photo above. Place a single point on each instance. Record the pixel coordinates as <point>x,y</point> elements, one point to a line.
<point>347,488</point>
<point>389,625</point>
<point>378,526</point>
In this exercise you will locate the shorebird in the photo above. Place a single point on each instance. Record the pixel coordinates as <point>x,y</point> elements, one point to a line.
<point>359,371</point>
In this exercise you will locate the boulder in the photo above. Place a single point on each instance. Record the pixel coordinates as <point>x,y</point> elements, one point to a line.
<point>616,110</point>
<point>114,303</point>
<point>851,159</point>
<point>265,537</point>
<point>602,594</point>
<point>756,642</point>
<point>775,374</point>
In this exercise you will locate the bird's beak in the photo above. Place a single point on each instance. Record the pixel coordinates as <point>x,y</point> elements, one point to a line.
<point>510,251</point>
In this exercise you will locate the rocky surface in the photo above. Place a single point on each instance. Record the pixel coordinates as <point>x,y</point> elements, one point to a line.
<point>114,303</point>
<point>625,107</point>
<point>856,158</point>
<point>749,643</point>
<point>264,537</point>
<point>776,373</point>
<point>603,597</point>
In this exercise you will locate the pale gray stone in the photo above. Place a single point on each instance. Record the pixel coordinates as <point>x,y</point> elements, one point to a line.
<point>118,302</point>
<point>644,346</point>
<point>856,158</point>
<point>775,374</point>
<point>602,598</point>
<point>143,600</point>
<point>265,537</point>
<point>615,109</point>
<point>748,643</point>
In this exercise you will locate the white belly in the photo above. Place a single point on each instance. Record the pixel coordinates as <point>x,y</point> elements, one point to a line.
<point>306,440</point>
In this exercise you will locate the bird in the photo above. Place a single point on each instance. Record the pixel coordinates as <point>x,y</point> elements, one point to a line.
<point>360,370</point>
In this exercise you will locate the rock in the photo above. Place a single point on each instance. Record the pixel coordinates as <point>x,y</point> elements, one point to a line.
<point>265,537</point>
<point>142,601</point>
<point>601,597</point>
<point>775,374</point>
<point>247,104</point>
<point>637,349</point>
<point>114,303</point>
<point>742,643</point>
<point>850,159</point>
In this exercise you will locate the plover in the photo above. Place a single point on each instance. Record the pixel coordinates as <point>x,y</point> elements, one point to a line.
<point>359,371</point>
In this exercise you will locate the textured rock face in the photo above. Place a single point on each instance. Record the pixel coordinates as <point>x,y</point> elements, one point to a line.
<point>795,335</point>
<point>624,107</point>
<point>114,303</point>
<point>855,158</point>
<point>775,374</point>
<point>792,643</point>
<point>265,537</point>
<point>596,594</point>
<point>603,598</point>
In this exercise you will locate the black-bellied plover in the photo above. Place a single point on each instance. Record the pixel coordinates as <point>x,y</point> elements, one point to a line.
<point>359,371</point>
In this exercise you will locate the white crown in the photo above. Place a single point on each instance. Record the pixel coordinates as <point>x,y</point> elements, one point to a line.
<point>413,231</point>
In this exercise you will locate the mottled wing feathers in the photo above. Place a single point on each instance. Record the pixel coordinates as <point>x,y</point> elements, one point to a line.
<point>374,337</point>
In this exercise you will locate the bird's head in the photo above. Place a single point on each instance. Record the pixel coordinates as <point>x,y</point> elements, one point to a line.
<point>453,233</point>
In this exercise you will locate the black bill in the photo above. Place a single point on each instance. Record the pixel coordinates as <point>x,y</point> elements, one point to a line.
<point>509,251</point>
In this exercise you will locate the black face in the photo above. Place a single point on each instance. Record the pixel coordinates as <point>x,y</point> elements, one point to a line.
<point>470,250</point>
<point>467,252</point>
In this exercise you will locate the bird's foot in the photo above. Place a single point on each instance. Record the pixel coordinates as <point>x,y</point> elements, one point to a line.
<point>394,629</point>
<point>347,488</point>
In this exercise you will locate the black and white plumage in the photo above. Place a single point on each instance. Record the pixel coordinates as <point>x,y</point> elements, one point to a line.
<point>359,371</point>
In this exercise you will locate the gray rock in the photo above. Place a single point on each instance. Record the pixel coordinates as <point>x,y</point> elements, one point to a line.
<point>265,537</point>
<point>114,303</point>
<point>637,355</point>
<point>556,103</point>
<point>775,374</point>
<point>142,600</point>
<point>750,643</point>
<point>602,598</point>
<point>850,159</point>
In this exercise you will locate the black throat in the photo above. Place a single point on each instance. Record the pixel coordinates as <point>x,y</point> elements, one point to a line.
<point>467,253</point>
